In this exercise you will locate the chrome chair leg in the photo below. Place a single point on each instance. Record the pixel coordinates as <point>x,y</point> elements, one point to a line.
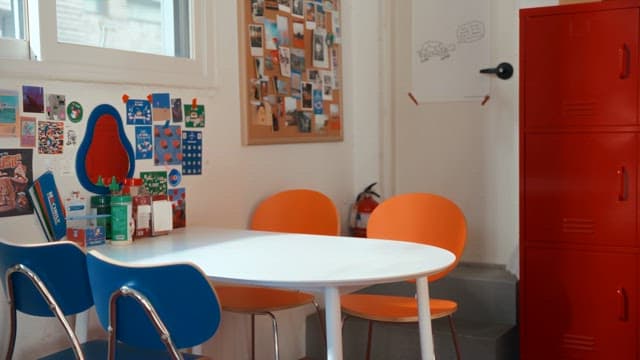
<point>275,335</point>
<point>455,337</point>
<point>12,320</point>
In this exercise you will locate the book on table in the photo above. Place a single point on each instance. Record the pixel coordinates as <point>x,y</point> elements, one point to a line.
<point>49,207</point>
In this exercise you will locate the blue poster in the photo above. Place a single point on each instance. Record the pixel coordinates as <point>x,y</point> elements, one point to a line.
<point>138,112</point>
<point>144,142</point>
<point>317,101</point>
<point>167,145</point>
<point>191,152</point>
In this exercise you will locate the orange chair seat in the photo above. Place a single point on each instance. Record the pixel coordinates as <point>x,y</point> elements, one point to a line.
<point>252,299</point>
<point>392,308</point>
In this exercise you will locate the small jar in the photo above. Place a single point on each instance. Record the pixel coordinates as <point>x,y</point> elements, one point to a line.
<point>101,205</point>
<point>121,220</point>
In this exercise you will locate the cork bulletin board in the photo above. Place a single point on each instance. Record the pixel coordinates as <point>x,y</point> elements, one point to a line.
<point>290,71</point>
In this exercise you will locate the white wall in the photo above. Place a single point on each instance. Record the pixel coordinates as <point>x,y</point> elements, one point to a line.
<point>462,150</point>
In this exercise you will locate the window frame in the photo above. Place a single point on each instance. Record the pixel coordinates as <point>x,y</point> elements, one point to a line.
<point>50,60</point>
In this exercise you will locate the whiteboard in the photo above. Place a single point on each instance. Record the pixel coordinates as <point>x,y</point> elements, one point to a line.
<point>450,44</point>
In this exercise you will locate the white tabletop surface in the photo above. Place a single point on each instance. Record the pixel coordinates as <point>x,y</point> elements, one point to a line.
<point>285,260</point>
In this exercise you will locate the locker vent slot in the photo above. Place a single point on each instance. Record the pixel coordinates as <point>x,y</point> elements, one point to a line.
<point>578,342</point>
<point>579,109</point>
<point>584,226</point>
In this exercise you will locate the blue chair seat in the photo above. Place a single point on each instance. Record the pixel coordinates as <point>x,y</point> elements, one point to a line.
<point>97,350</point>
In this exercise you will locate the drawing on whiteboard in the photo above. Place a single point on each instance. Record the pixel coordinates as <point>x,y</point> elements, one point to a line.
<point>434,48</point>
<point>471,31</point>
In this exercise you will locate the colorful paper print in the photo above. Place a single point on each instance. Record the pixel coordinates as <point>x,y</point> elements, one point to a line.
<point>176,110</point>
<point>178,200</point>
<point>192,152</point>
<point>33,99</point>
<point>144,142</point>
<point>8,112</point>
<point>161,105</point>
<point>155,182</point>
<point>194,117</point>
<point>167,147</point>
<point>27,131</point>
<point>50,137</point>
<point>74,111</point>
<point>138,112</point>
<point>56,107</point>
<point>16,174</point>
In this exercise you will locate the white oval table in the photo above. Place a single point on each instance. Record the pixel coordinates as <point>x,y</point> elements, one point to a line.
<point>297,261</point>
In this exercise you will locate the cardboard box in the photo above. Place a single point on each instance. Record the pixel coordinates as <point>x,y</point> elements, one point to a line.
<point>142,216</point>
<point>87,236</point>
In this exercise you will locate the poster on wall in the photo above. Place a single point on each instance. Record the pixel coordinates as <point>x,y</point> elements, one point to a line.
<point>16,174</point>
<point>8,112</point>
<point>167,145</point>
<point>191,152</point>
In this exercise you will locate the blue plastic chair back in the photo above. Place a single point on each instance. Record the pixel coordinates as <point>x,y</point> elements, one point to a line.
<point>180,293</point>
<point>62,268</point>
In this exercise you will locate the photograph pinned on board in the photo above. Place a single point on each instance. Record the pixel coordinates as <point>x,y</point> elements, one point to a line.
<point>56,107</point>
<point>16,175</point>
<point>297,8</point>
<point>320,53</point>
<point>268,63</point>
<point>335,27</point>
<point>271,4</point>
<point>327,85</point>
<point>191,152</point>
<point>27,131</point>
<point>321,21</point>
<point>320,123</point>
<point>314,78</point>
<point>262,116</point>
<point>255,91</point>
<point>50,137</point>
<point>307,95</point>
<point>8,113</point>
<point>138,112</point>
<point>194,117</point>
<point>284,5</point>
<point>161,105</point>
<point>285,61</point>
<point>283,31</point>
<point>257,9</point>
<point>283,86</point>
<point>334,111</point>
<point>297,61</point>
<point>310,15</point>
<point>271,35</point>
<point>176,110</point>
<point>304,121</point>
<point>255,39</point>
<point>318,105</point>
<point>298,35</point>
<point>259,65</point>
<point>296,83</point>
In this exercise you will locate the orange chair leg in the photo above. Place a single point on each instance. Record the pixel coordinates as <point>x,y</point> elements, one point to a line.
<point>455,337</point>
<point>368,354</point>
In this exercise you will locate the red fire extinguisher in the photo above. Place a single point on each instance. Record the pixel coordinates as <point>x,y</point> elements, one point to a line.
<point>361,210</point>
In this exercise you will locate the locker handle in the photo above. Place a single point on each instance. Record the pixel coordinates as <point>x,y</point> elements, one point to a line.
<point>623,192</point>
<point>624,58</point>
<point>623,306</point>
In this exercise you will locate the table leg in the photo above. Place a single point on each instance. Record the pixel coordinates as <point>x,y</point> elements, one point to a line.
<point>333,319</point>
<point>424,319</point>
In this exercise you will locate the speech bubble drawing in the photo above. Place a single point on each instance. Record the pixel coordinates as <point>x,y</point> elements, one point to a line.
<point>471,31</point>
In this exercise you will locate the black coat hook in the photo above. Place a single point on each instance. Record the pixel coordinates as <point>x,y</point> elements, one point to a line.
<point>504,71</point>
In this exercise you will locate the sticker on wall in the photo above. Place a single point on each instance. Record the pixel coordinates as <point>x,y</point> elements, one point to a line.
<point>161,105</point>
<point>167,145</point>
<point>33,99</point>
<point>176,110</point>
<point>27,131</point>
<point>144,142</point>
<point>155,182</point>
<point>192,152</point>
<point>8,112</point>
<point>56,107</point>
<point>178,200</point>
<point>74,111</point>
<point>194,116</point>
<point>138,112</point>
<point>16,174</point>
<point>50,137</point>
<point>175,177</point>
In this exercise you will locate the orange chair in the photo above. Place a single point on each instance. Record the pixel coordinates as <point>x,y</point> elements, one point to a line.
<point>416,217</point>
<point>295,211</point>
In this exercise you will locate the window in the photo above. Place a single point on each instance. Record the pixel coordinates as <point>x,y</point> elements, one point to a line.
<point>13,42</point>
<point>150,42</point>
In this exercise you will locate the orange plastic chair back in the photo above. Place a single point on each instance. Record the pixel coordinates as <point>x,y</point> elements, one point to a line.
<point>297,211</point>
<point>422,218</point>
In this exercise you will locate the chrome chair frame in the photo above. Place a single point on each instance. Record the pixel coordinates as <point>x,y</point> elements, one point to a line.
<point>51,302</point>
<point>149,310</point>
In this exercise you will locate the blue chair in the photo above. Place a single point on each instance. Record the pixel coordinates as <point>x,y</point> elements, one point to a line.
<point>161,308</point>
<point>48,280</point>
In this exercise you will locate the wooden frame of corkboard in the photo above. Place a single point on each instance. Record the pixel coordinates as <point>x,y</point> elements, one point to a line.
<point>283,105</point>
